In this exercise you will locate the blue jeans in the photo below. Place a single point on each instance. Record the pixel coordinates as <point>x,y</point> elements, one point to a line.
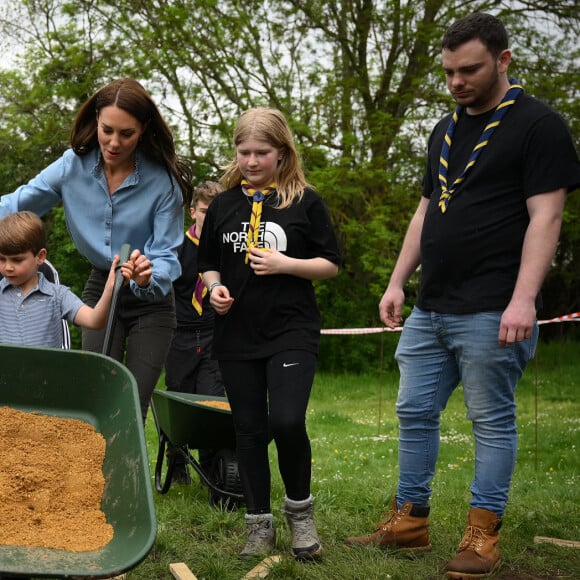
<point>435,353</point>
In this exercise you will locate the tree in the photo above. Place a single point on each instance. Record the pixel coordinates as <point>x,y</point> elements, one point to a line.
<point>359,81</point>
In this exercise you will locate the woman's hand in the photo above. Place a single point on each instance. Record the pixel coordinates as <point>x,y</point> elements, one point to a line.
<point>142,268</point>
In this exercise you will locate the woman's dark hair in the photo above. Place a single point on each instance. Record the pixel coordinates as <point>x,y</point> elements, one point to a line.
<point>485,27</point>
<point>157,140</point>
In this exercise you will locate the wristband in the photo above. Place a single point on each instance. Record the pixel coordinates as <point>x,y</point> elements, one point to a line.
<point>213,285</point>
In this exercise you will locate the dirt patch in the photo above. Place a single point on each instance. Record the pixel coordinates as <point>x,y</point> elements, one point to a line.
<point>51,482</point>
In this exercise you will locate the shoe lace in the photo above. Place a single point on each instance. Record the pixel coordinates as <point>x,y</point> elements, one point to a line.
<point>302,529</point>
<point>259,538</point>
<point>302,525</point>
<point>258,531</point>
<point>473,539</point>
<point>390,519</point>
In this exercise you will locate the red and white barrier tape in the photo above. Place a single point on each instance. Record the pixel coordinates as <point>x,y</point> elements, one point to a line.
<point>360,330</point>
<point>575,317</point>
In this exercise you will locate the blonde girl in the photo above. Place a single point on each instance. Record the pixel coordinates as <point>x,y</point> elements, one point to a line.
<point>265,238</point>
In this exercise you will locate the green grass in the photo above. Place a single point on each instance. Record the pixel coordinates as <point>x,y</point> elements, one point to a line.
<point>353,429</point>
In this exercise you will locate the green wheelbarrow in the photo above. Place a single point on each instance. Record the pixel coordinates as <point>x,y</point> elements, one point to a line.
<point>102,392</point>
<point>187,421</point>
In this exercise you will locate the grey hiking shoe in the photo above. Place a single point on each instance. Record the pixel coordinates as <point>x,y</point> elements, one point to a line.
<point>261,536</point>
<point>300,517</point>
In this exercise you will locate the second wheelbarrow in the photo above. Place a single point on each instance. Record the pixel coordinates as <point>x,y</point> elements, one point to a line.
<point>186,422</point>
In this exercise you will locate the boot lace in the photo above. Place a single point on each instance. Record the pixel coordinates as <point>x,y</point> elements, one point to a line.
<point>260,537</point>
<point>474,539</point>
<point>391,518</point>
<point>259,532</point>
<point>302,528</point>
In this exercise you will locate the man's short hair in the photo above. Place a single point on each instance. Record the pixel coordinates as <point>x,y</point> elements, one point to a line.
<point>485,27</point>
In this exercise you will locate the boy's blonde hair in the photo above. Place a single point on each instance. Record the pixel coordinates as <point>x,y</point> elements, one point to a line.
<point>270,125</point>
<point>205,192</point>
<point>21,232</point>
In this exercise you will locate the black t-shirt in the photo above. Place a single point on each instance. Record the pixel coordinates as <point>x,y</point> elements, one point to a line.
<point>470,256</point>
<point>270,313</point>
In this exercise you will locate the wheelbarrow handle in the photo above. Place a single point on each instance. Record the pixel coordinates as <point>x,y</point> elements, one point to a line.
<point>112,318</point>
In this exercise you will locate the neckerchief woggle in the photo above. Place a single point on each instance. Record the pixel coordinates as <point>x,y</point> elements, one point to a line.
<point>258,196</point>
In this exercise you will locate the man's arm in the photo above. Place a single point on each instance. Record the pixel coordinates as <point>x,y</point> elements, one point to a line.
<point>538,250</point>
<point>391,304</point>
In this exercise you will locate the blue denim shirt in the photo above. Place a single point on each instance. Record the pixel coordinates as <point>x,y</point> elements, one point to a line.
<point>145,212</point>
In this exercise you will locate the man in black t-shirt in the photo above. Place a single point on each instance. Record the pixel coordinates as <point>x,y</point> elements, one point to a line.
<point>484,233</point>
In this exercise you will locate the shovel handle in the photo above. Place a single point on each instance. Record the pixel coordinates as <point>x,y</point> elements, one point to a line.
<point>124,255</point>
<point>112,318</point>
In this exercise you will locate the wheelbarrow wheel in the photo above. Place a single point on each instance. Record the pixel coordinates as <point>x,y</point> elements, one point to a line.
<point>224,474</point>
<point>164,466</point>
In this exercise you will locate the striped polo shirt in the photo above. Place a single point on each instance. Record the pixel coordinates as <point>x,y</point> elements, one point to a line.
<point>35,319</point>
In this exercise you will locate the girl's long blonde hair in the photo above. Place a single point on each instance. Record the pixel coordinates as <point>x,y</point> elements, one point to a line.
<point>270,125</point>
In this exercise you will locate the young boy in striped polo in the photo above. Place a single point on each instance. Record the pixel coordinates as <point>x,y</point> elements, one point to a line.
<point>31,307</point>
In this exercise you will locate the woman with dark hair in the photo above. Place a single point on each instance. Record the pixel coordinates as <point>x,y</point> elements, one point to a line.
<point>121,182</point>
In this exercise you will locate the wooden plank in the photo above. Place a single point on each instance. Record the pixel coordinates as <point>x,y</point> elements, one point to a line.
<point>262,569</point>
<point>180,571</point>
<point>557,541</point>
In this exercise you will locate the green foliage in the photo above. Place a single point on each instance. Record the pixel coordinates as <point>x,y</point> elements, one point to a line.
<point>360,83</point>
<point>61,66</point>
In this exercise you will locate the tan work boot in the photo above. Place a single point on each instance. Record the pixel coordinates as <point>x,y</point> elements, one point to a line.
<point>406,529</point>
<point>478,553</point>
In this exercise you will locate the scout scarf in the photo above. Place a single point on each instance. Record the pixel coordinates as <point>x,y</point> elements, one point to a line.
<point>258,196</point>
<point>447,192</point>
<point>200,290</point>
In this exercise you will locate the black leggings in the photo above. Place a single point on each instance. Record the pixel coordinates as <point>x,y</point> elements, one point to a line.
<point>269,398</point>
